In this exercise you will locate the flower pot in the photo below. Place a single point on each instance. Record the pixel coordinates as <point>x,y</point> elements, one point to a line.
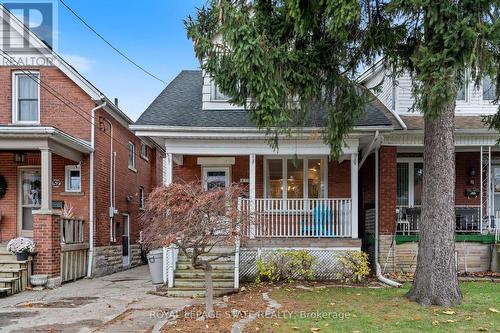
<point>22,256</point>
<point>38,281</point>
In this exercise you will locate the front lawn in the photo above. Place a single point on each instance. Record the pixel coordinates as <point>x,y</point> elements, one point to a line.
<point>339,309</point>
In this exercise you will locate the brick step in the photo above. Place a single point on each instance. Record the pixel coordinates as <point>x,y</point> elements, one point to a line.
<point>200,283</point>
<point>185,265</point>
<point>197,292</point>
<point>199,274</point>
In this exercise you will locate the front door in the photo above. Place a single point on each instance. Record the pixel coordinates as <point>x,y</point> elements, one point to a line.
<point>30,191</point>
<point>125,240</point>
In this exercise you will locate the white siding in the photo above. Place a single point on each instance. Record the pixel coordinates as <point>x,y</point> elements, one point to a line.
<point>384,85</point>
<point>473,104</point>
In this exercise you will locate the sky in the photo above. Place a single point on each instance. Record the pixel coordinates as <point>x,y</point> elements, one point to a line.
<point>151,32</point>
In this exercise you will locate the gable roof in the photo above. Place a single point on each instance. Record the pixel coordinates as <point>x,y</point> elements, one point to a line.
<point>180,104</point>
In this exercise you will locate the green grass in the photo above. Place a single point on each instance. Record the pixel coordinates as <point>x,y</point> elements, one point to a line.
<point>382,310</point>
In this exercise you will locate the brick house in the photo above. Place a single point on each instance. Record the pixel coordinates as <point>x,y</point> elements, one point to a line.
<point>301,199</point>
<point>64,145</point>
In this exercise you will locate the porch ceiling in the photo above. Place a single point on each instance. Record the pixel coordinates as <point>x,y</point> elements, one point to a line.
<point>38,138</point>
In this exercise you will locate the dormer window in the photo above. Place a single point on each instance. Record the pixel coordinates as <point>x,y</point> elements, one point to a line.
<point>217,95</point>
<point>26,98</point>
<point>489,89</point>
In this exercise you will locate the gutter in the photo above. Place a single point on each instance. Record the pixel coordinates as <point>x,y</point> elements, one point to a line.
<point>378,272</point>
<point>91,191</point>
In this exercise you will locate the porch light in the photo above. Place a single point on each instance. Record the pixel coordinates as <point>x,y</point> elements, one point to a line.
<point>19,157</point>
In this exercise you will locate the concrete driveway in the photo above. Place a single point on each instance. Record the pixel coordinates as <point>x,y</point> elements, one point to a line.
<point>114,303</point>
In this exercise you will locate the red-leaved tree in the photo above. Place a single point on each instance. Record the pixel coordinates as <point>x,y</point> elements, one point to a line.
<point>196,221</point>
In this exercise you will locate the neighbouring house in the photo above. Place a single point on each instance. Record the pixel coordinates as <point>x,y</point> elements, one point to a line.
<point>303,200</point>
<point>67,149</point>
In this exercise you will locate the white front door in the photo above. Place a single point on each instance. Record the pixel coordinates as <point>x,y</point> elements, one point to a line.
<point>126,240</point>
<point>215,177</point>
<point>30,198</point>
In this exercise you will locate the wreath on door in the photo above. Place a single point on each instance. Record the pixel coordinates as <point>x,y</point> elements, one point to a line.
<point>3,186</point>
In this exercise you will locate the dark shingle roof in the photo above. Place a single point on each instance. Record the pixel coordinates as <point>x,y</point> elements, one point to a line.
<point>180,104</point>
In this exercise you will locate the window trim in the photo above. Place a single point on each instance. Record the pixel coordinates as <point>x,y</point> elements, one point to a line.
<point>141,198</point>
<point>305,159</point>
<point>15,102</point>
<point>411,173</point>
<point>67,174</point>
<point>144,156</point>
<point>131,167</point>
<point>213,93</point>
<point>205,169</point>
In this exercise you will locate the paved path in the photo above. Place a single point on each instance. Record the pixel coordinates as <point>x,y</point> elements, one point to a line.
<point>114,303</point>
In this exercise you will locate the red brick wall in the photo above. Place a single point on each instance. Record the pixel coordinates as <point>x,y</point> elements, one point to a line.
<point>367,183</point>
<point>339,179</point>
<point>53,112</point>
<point>387,189</point>
<point>47,236</point>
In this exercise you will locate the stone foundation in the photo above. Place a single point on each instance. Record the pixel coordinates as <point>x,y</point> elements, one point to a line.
<point>108,259</point>
<point>471,256</point>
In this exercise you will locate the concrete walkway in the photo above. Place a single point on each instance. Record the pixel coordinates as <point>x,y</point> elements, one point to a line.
<point>114,303</point>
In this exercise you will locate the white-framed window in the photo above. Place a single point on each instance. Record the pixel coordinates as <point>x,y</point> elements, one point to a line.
<point>409,184</point>
<point>144,151</point>
<point>131,156</point>
<point>295,178</point>
<point>214,177</point>
<point>216,94</point>
<point>141,197</point>
<point>26,97</point>
<point>73,178</point>
<point>489,89</point>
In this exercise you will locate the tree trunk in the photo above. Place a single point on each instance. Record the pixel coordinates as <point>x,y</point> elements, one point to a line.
<point>436,279</point>
<point>209,292</point>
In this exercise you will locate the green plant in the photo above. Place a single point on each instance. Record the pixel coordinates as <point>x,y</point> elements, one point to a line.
<point>354,266</point>
<point>286,266</point>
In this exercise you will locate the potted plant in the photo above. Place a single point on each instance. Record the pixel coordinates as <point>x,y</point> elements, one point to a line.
<point>21,247</point>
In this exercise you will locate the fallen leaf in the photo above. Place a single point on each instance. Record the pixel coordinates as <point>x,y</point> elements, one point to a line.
<point>315,329</point>
<point>416,318</point>
<point>468,318</point>
<point>449,312</point>
<point>435,323</point>
<point>358,294</point>
<point>295,328</point>
<point>450,321</point>
<point>332,304</point>
<point>483,329</point>
<point>494,310</point>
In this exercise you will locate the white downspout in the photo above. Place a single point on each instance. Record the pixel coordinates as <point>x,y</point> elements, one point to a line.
<point>112,236</point>
<point>378,272</point>
<point>91,190</point>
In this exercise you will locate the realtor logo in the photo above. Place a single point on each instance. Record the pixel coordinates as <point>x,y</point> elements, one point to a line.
<point>39,16</point>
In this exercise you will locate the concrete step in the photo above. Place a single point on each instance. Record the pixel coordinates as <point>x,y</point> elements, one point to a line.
<point>12,270</point>
<point>8,279</point>
<point>200,283</point>
<point>184,265</point>
<point>199,274</point>
<point>197,292</point>
<point>7,256</point>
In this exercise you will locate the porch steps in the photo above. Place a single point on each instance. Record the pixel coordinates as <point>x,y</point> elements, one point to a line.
<point>190,282</point>
<point>14,274</point>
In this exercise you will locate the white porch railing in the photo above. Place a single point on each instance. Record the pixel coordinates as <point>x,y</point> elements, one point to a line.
<point>298,217</point>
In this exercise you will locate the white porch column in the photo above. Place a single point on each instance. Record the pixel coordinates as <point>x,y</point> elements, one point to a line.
<point>46,175</point>
<point>354,195</point>
<point>168,165</point>
<point>251,190</point>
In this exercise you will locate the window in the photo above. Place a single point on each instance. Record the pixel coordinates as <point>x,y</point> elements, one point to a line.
<point>217,95</point>
<point>295,178</point>
<point>131,156</point>
<point>489,89</point>
<point>409,182</point>
<point>141,197</point>
<point>73,179</point>
<point>461,91</point>
<point>144,151</point>
<point>26,103</point>
<point>214,177</point>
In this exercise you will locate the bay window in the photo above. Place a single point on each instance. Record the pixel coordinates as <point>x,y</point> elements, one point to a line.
<point>295,178</point>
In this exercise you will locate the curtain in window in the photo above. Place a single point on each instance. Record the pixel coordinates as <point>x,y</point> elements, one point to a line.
<point>27,99</point>
<point>402,198</point>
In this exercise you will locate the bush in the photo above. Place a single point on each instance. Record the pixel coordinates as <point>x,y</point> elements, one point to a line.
<point>286,266</point>
<point>354,266</point>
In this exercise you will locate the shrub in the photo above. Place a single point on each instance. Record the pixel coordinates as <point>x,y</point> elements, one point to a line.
<point>286,266</point>
<point>354,266</point>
